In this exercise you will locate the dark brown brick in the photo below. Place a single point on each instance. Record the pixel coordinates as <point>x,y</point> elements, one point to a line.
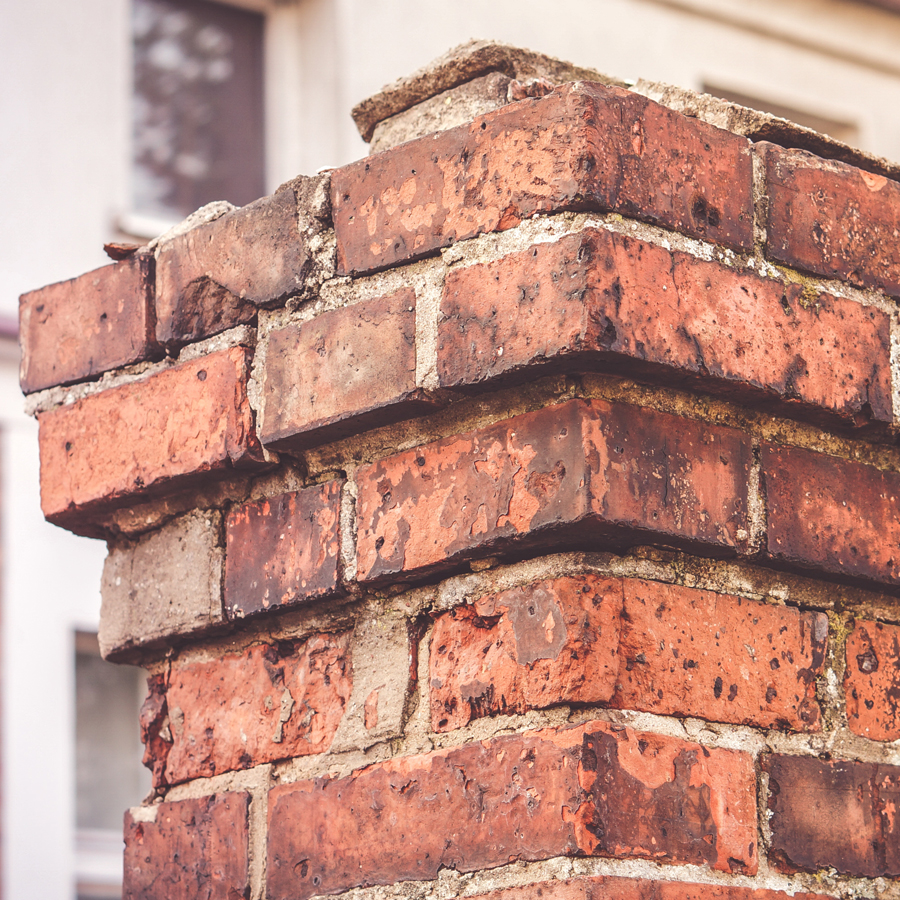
<point>217,275</point>
<point>191,849</point>
<point>836,814</point>
<point>686,652</point>
<point>831,514</point>
<point>872,681</point>
<point>583,146</point>
<point>832,219</point>
<point>342,372</point>
<point>272,701</point>
<point>283,550</point>
<point>602,299</point>
<point>174,429</point>
<point>79,328</point>
<point>611,888</point>
<point>530,647</point>
<point>562,473</point>
<point>589,790</point>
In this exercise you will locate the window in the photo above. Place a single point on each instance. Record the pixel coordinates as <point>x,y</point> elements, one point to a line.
<point>109,776</point>
<point>198,106</point>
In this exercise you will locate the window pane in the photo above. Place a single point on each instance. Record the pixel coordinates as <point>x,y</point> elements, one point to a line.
<point>108,771</point>
<point>198,105</point>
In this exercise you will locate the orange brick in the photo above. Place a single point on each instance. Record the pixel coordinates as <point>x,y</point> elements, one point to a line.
<point>77,329</point>
<point>174,429</point>
<point>549,642</point>
<point>583,146</point>
<point>686,652</point>
<point>590,790</point>
<point>872,681</point>
<point>601,300</point>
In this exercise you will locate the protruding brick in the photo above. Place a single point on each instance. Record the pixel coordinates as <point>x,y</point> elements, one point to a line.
<point>174,429</point>
<point>872,681</point>
<point>283,550</point>
<point>832,219</point>
<point>550,642</point>
<point>589,790</point>
<point>217,275</point>
<point>602,299</point>
<point>342,372</point>
<point>79,328</point>
<point>165,585</point>
<point>583,146</point>
<point>272,701</point>
<point>610,888</point>
<point>834,815</point>
<point>188,849</point>
<point>830,514</point>
<point>686,652</point>
<point>562,474</point>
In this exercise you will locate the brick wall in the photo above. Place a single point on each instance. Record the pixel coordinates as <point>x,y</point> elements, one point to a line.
<point>511,513</point>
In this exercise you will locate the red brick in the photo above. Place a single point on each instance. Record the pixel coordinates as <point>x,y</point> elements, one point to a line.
<point>593,790</point>
<point>832,219</point>
<point>597,298</point>
<point>686,652</point>
<point>272,701</point>
<point>283,550</point>
<point>565,473</point>
<point>831,514</point>
<point>79,328</point>
<point>834,814</point>
<point>549,642</point>
<point>217,275</point>
<point>193,848</point>
<point>611,888</point>
<point>342,372</point>
<point>174,429</point>
<point>583,146</point>
<point>872,681</point>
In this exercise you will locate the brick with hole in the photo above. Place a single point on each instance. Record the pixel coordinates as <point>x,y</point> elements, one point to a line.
<point>872,680</point>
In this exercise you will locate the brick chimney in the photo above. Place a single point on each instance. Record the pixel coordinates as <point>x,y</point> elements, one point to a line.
<point>514,510</point>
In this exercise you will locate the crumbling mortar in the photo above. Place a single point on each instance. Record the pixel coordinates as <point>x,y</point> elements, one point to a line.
<point>760,202</point>
<point>348,527</point>
<point>895,366</point>
<point>756,505</point>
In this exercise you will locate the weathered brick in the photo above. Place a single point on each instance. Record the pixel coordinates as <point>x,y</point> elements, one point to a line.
<point>164,585</point>
<point>272,701</point>
<point>611,888</point>
<point>79,328</point>
<point>831,514</point>
<point>189,849</point>
<point>590,790</point>
<point>217,275</point>
<point>342,372</point>
<point>832,219</point>
<point>553,641</point>
<point>598,298</point>
<point>173,429</point>
<point>583,146</point>
<point>834,814</point>
<point>563,473</point>
<point>696,653</point>
<point>283,550</point>
<point>872,681</point>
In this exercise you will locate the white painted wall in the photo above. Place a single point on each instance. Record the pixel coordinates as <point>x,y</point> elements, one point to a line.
<point>64,181</point>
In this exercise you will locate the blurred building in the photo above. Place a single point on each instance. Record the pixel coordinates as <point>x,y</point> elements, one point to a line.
<point>120,116</point>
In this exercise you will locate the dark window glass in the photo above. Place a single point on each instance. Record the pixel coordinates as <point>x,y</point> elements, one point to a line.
<point>198,105</point>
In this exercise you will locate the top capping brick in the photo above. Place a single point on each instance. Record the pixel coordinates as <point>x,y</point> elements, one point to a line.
<point>217,275</point>
<point>581,147</point>
<point>77,329</point>
<point>460,65</point>
<point>832,219</point>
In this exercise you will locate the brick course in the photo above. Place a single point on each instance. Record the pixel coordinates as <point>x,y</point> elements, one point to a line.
<point>589,790</point>
<point>584,146</point>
